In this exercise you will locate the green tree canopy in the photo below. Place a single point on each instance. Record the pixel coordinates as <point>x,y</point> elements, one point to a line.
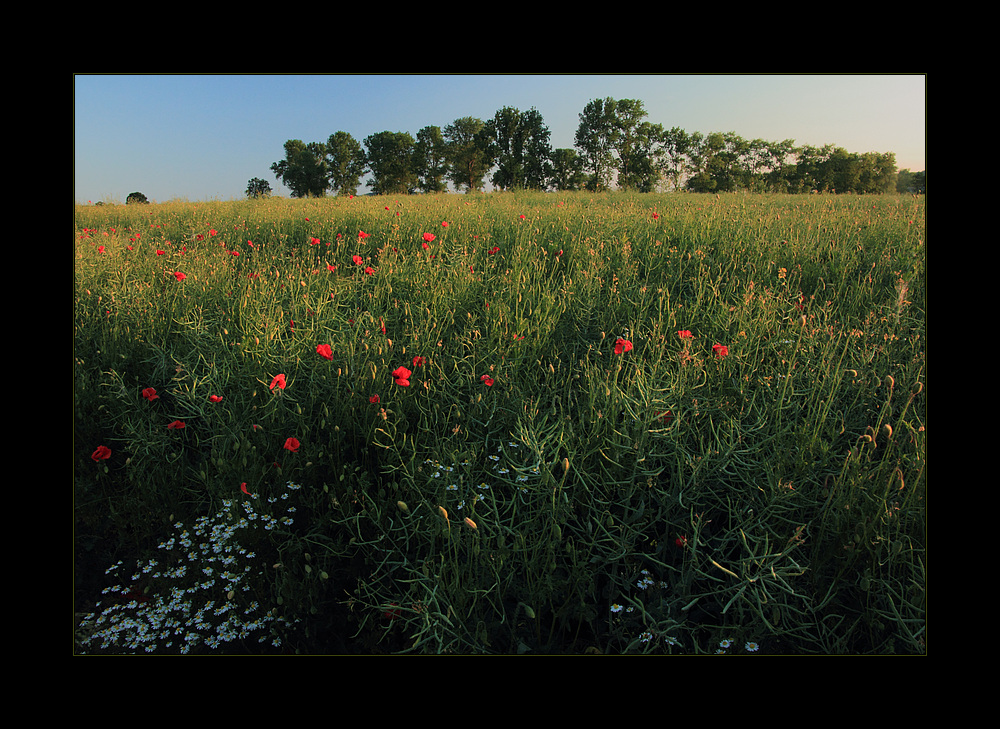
<point>519,144</point>
<point>304,169</point>
<point>258,188</point>
<point>467,160</point>
<point>430,160</point>
<point>567,170</point>
<point>346,163</point>
<point>390,159</point>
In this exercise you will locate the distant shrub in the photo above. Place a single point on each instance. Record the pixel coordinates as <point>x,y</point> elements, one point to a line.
<point>136,197</point>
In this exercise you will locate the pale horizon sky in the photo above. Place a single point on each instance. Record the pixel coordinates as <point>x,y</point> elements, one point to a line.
<point>204,137</point>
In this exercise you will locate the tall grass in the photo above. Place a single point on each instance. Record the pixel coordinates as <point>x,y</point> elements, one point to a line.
<point>530,489</point>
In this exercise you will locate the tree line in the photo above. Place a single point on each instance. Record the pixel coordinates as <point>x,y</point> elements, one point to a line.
<point>615,146</point>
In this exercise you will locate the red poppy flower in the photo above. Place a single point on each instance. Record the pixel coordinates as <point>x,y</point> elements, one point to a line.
<point>314,241</point>
<point>444,223</point>
<point>180,276</point>
<point>418,361</point>
<point>279,382</point>
<point>100,249</point>
<point>369,270</point>
<point>330,267</point>
<point>622,346</point>
<point>243,488</point>
<point>292,445</point>
<point>373,399</point>
<point>324,351</point>
<point>685,334</point>
<point>487,380</point>
<point>160,253</point>
<point>176,425</point>
<point>362,234</point>
<point>720,350</point>
<point>150,394</point>
<point>493,250</point>
<point>215,398</point>
<point>681,541</point>
<point>402,376</point>
<point>429,237</point>
<point>358,260</point>
<point>102,453</point>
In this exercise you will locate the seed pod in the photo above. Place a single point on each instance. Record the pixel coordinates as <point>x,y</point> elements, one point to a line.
<point>403,507</point>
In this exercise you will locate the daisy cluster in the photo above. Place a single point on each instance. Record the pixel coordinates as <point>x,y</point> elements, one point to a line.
<point>199,598</point>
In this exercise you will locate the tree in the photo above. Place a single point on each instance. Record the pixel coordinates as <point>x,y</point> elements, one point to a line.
<point>346,163</point>
<point>258,188</point>
<point>910,182</point>
<point>304,170</point>
<point>468,162</point>
<point>136,198</point>
<point>636,143</point>
<point>567,170</point>
<point>390,158</point>
<point>430,161</point>
<point>595,140</point>
<point>519,144</point>
<point>674,160</point>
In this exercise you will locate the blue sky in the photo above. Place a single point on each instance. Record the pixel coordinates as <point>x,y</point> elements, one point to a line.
<point>203,137</point>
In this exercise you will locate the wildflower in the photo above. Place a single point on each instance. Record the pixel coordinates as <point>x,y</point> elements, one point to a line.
<point>685,334</point>
<point>681,541</point>
<point>469,523</point>
<point>418,361</point>
<point>622,346</point>
<point>180,276</point>
<point>279,382</point>
<point>330,267</point>
<point>358,260</point>
<point>374,399</point>
<point>616,608</point>
<point>444,223</point>
<point>720,350</point>
<point>645,636</point>
<point>369,270</point>
<point>493,250</point>
<point>362,234</point>
<point>314,241</point>
<point>291,444</point>
<point>243,488</point>
<point>102,453</point>
<point>214,398</point>
<point>324,351</point>
<point>176,425</point>
<point>726,643</point>
<point>150,394</point>
<point>751,646</point>
<point>401,376</point>
<point>429,237</point>
<point>487,380</point>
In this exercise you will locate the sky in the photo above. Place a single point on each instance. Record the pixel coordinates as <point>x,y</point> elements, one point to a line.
<point>204,137</point>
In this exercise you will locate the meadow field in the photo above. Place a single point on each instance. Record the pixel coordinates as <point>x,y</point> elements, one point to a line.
<point>507,423</point>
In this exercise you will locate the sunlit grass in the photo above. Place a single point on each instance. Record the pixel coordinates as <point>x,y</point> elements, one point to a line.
<point>766,472</point>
